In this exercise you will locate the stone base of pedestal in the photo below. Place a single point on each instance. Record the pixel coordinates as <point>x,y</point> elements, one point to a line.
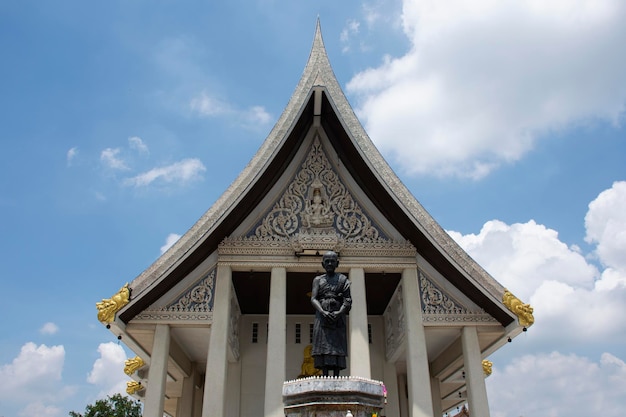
<point>333,397</point>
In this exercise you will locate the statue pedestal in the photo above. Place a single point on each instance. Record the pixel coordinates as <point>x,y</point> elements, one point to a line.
<point>333,397</point>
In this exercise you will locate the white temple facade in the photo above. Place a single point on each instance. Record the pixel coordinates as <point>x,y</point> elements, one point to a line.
<point>224,317</point>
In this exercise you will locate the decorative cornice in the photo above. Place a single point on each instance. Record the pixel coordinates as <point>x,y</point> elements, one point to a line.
<point>109,306</point>
<point>524,312</point>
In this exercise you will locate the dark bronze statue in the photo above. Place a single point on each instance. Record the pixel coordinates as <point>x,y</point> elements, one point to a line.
<point>332,301</point>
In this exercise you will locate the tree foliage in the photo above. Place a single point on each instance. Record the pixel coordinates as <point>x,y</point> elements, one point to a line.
<point>115,405</point>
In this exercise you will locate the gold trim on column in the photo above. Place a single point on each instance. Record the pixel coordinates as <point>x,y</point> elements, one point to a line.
<point>109,306</point>
<point>524,312</point>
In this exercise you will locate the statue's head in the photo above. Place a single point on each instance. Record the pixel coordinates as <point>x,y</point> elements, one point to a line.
<point>330,261</point>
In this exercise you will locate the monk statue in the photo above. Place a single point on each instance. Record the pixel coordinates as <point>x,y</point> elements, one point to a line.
<point>331,299</point>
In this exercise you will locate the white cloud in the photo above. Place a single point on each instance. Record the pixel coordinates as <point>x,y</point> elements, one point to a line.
<point>108,370</point>
<point>484,80</point>
<point>71,154</point>
<point>40,410</point>
<point>135,142</point>
<point>169,241</point>
<point>573,301</point>
<point>606,226</point>
<point>110,158</point>
<point>257,115</point>
<point>34,380</point>
<point>205,105</point>
<point>180,172</point>
<point>531,384</point>
<point>350,29</point>
<point>49,328</point>
<point>524,256</point>
<point>577,308</point>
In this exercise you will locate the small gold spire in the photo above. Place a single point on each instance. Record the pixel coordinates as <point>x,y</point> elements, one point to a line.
<point>109,306</point>
<point>487,367</point>
<point>131,365</point>
<point>133,386</point>
<point>524,312</point>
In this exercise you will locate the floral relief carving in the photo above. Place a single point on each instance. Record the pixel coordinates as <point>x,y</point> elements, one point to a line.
<point>197,299</point>
<point>434,301</point>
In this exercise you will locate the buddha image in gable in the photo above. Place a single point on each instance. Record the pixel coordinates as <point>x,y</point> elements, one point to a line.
<point>317,210</point>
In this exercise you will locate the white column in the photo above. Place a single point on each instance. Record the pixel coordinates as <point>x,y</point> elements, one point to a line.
<point>184,407</point>
<point>418,375</point>
<point>359,341</point>
<point>474,378</point>
<point>214,398</point>
<point>276,341</point>
<point>390,379</point>
<point>436,390</point>
<point>155,392</point>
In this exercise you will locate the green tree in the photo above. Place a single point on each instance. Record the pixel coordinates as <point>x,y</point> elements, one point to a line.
<point>115,405</point>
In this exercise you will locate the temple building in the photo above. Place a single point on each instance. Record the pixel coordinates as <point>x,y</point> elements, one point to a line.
<point>224,317</point>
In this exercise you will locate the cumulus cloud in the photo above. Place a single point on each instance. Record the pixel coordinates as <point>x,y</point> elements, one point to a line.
<point>34,378</point>
<point>606,226</point>
<point>524,256</point>
<point>169,241</point>
<point>557,280</point>
<point>111,159</point>
<point>578,306</point>
<point>180,172</point>
<point>584,386</point>
<point>484,80</point>
<point>49,328</point>
<point>108,370</point>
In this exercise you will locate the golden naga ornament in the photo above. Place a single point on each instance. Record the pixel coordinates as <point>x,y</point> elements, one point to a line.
<point>524,312</point>
<point>487,367</point>
<point>109,306</point>
<point>133,387</point>
<point>131,365</point>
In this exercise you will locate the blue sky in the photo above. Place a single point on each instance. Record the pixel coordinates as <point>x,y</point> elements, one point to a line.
<point>124,121</point>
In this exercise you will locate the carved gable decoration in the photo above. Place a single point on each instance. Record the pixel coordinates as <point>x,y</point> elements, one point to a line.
<point>194,304</point>
<point>315,213</point>
<point>440,307</point>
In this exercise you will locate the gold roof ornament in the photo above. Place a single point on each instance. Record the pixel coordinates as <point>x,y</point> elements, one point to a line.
<point>487,367</point>
<point>524,312</point>
<point>109,306</point>
<point>133,387</point>
<point>131,365</point>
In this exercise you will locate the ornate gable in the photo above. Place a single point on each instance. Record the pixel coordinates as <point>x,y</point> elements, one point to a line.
<point>316,212</point>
